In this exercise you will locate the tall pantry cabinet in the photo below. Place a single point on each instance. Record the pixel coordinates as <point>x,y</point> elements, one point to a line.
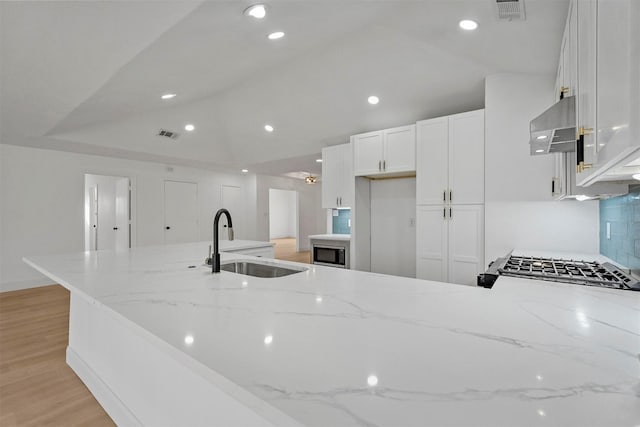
<point>450,198</point>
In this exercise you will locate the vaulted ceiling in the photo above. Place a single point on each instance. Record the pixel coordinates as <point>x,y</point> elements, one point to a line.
<point>87,76</point>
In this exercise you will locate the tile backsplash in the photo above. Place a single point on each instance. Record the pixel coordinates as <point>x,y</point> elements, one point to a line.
<point>341,221</point>
<point>622,214</point>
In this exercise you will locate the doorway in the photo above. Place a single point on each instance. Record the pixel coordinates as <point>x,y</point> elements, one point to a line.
<point>232,200</point>
<point>283,225</point>
<point>107,212</point>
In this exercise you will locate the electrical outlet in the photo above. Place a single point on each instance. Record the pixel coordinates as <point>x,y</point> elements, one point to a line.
<point>412,222</point>
<point>608,231</point>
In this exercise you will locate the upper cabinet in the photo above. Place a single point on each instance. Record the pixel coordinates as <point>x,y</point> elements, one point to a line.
<point>608,109</point>
<point>385,152</point>
<point>450,159</point>
<point>337,176</point>
<point>567,78</point>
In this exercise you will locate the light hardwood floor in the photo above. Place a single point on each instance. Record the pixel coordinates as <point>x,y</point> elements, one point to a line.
<point>285,249</point>
<point>36,385</point>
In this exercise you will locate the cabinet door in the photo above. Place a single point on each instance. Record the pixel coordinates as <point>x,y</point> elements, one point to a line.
<point>466,247</point>
<point>431,243</point>
<point>400,149</point>
<point>347,183</point>
<point>367,153</point>
<point>466,158</point>
<point>431,162</point>
<point>331,164</point>
<point>586,107</point>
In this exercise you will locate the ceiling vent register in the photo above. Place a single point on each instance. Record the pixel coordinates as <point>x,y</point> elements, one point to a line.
<point>168,134</point>
<point>510,9</point>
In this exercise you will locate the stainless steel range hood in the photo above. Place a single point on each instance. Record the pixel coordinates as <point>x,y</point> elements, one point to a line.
<point>554,131</point>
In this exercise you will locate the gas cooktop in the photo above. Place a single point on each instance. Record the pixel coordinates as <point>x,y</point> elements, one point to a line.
<point>587,273</point>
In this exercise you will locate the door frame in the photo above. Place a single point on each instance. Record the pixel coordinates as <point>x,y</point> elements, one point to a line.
<point>297,213</point>
<point>132,198</point>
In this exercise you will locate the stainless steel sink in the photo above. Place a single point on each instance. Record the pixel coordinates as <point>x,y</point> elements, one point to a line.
<point>256,269</point>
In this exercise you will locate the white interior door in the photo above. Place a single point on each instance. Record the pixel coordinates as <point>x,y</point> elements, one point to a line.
<point>106,213</point>
<point>232,201</point>
<point>180,212</point>
<point>93,217</point>
<point>122,217</point>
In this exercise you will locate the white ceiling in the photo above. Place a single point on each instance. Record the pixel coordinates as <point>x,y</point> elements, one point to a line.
<point>87,76</point>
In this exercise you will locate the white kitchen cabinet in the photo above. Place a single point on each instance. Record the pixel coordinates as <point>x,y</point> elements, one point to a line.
<point>337,176</point>
<point>450,243</point>
<point>385,152</point>
<point>566,80</point>
<point>450,159</point>
<point>608,85</point>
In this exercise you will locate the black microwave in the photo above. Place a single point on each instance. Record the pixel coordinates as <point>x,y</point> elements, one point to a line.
<point>334,256</point>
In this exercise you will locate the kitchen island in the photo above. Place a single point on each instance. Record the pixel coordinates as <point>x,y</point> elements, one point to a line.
<point>159,340</point>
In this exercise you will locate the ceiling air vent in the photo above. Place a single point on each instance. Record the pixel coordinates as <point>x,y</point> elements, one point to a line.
<point>168,134</point>
<point>510,9</point>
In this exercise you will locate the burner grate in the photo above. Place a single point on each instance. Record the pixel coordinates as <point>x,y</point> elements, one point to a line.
<point>567,271</point>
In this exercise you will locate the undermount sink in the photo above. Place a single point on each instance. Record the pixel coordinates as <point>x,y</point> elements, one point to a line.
<point>259,270</point>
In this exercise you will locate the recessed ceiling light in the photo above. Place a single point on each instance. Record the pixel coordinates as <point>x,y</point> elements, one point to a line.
<point>542,137</point>
<point>636,176</point>
<point>268,128</point>
<point>540,151</point>
<point>468,24</point>
<point>275,36</point>
<point>189,127</point>
<point>373,100</point>
<point>256,11</point>
<point>245,170</point>
<point>168,96</point>
<point>582,197</point>
<point>319,160</point>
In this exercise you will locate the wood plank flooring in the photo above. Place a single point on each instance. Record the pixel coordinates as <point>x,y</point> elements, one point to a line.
<point>285,249</point>
<point>36,385</point>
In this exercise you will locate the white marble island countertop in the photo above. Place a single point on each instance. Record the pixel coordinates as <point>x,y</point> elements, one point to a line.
<point>339,237</point>
<point>334,347</point>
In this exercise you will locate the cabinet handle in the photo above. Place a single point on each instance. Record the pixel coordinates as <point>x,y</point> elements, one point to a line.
<point>444,195</point>
<point>553,186</point>
<point>340,200</point>
<point>444,213</point>
<point>450,195</point>
<point>585,131</point>
<point>167,228</point>
<point>384,165</point>
<point>450,214</point>
<point>379,165</point>
<point>580,152</point>
<point>115,228</point>
<point>563,91</point>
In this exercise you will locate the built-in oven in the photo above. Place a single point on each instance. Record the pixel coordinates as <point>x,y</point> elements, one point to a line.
<point>331,255</point>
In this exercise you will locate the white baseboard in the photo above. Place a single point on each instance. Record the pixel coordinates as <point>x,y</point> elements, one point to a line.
<point>117,410</point>
<point>25,284</point>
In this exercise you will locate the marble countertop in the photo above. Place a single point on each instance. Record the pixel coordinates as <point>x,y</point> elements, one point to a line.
<point>336,347</point>
<point>341,237</point>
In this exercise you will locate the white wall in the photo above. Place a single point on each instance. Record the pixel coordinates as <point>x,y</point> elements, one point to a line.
<point>282,213</point>
<point>393,231</point>
<point>519,209</point>
<point>311,215</point>
<point>42,204</point>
